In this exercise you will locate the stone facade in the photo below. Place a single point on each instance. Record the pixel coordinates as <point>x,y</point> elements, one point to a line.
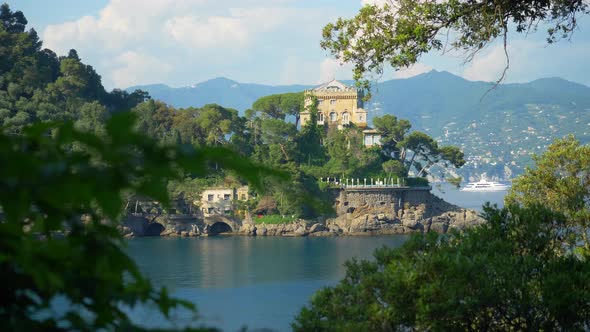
<point>380,198</point>
<point>397,210</point>
<point>339,105</point>
<point>219,201</point>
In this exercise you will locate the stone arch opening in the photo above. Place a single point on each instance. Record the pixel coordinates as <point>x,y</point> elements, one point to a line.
<point>154,229</point>
<point>219,227</point>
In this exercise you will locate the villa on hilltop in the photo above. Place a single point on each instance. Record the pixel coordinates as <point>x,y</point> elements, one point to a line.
<point>339,105</point>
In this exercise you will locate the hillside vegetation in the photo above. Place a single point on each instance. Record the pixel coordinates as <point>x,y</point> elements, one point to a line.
<point>38,86</point>
<point>497,129</point>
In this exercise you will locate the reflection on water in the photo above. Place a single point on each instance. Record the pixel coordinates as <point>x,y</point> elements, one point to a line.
<point>221,262</point>
<point>260,282</point>
<point>256,281</point>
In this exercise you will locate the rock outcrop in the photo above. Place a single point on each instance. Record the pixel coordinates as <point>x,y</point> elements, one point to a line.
<point>431,214</point>
<point>179,225</point>
<point>367,218</point>
<point>359,212</point>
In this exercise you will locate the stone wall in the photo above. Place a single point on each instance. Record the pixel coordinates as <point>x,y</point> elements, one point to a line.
<point>397,210</point>
<point>389,200</point>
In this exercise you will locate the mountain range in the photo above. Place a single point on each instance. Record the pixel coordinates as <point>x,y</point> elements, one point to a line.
<point>498,127</point>
<point>220,90</point>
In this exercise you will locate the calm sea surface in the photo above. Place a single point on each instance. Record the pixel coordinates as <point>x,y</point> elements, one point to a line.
<point>257,282</point>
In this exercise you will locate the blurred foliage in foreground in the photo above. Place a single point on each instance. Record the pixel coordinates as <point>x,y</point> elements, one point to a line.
<point>61,194</point>
<point>514,273</point>
<point>560,180</point>
<point>527,268</point>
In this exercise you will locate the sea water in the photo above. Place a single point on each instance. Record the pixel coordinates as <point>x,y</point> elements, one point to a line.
<point>258,282</point>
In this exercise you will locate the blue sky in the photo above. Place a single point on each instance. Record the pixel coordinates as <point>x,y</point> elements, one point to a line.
<point>183,42</point>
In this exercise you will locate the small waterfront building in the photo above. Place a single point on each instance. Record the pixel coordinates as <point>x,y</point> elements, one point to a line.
<point>220,200</point>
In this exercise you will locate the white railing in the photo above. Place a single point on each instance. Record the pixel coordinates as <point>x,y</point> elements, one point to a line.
<point>364,183</point>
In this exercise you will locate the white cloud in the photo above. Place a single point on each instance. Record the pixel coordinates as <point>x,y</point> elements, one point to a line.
<point>487,66</point>
<point>210,32</point>
<point>291,71</point>
<point>412,71</point>
<point>391,3</point>
<point>194,22</point>
<point>60,37</point>
<point>234,30</point>
<point>117,25</point>
<point>131,68</point>
<point>376,2</point>
<point>525,56</point>
<point>179,32</point>
<point>330,69</point>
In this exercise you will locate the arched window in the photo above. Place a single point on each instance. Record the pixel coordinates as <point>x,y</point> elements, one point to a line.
<point>333,117</point>
<point>345,118</point>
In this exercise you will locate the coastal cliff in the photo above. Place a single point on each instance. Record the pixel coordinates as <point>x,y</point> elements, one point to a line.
<point>379,213</point>
<point>359,212</point>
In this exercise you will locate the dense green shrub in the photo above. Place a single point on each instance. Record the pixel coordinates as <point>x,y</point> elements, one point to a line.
<point>274,219</point>
<point>416,182</point>
<point>509,274</point>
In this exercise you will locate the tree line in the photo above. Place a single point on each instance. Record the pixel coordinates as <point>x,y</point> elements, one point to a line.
<point>37,85</point>
<point>64,174</point>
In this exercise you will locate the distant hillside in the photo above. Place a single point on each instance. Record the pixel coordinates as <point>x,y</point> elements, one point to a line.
<point>497,129</point>
<point>219,90</point>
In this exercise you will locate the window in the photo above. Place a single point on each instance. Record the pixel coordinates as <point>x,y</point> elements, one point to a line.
<point>333,116</point>
<point>243,197</point>
<point>360,118</point>
<point>320,117</point>
<point>226,197</point>
<point>320,102</point>
<point>345,118</point>
<point>210,210</point>
<point>210,198</point>
<point>333,102</point>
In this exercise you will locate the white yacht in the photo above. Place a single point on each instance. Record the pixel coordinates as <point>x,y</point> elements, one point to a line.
<point>484,185</point>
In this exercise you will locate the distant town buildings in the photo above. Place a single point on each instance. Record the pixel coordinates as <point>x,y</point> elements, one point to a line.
<point>339,105</point>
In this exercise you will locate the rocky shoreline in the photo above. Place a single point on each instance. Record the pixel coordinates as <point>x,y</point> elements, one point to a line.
<point>431,214</point>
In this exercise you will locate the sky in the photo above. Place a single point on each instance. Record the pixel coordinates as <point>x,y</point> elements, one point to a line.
<point>275,42</point>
